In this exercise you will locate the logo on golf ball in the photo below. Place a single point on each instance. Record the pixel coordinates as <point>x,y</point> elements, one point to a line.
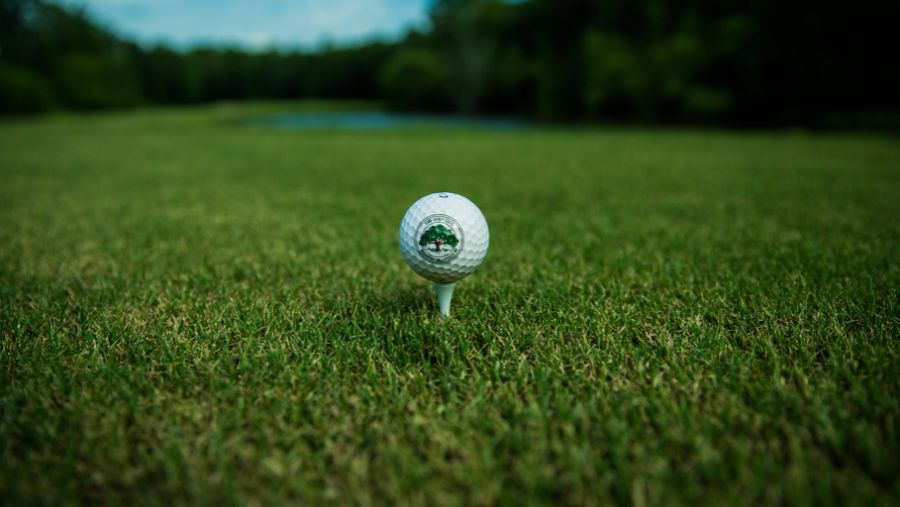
<point>440,238</point>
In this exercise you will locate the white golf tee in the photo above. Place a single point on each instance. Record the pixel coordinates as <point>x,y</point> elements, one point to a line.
<point>444,295</point>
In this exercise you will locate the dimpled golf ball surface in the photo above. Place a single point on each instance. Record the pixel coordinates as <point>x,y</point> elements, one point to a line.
<point>444,237</point>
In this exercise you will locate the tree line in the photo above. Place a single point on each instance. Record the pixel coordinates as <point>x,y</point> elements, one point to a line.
<point>695,61</point>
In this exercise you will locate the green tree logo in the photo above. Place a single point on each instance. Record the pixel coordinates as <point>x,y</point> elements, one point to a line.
<point>438,236</point>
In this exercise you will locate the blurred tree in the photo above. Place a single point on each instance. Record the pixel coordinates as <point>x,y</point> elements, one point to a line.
<point>615,80</point>
<point>84,65</point>
<point>350,72</point>
<point>24,91</point>
<point>753,62</point>
<point>165,77</point>
<point>464,48</point>
<point>14,30</point>
<point>88,81</point>
<point>413,79</point>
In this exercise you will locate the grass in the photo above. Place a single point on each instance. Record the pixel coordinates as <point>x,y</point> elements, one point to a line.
<point>199,313</point>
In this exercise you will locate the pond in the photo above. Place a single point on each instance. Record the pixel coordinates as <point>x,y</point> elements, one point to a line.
<point>377,120</point>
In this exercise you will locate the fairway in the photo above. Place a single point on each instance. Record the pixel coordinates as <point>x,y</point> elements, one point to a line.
<point>199,312</point>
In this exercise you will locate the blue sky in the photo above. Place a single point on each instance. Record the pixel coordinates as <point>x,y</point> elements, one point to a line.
<point>257,23</point>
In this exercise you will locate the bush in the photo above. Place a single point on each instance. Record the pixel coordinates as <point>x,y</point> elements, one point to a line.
<point>412,79</point>
<point>24,91</point>
<point>98,82</point>
<point>617,83</point>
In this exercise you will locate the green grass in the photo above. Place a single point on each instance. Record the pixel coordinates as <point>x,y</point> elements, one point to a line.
<point>199,313</point>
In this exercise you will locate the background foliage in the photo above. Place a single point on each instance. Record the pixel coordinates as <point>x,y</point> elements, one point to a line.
<point>738,61</point>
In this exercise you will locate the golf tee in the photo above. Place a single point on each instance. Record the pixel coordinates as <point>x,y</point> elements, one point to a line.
<point>444,295</point>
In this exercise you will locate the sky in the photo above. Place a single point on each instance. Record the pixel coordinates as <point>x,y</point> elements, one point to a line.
<point>257,24</point>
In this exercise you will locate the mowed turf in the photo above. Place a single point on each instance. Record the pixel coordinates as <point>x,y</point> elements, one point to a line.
<point>200,313</point>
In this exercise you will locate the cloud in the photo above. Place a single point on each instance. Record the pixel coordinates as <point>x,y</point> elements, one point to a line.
<point>257,22</point>
<point>100,4</point>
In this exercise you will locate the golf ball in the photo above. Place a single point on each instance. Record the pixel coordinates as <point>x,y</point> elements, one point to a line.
<point>444,237</point>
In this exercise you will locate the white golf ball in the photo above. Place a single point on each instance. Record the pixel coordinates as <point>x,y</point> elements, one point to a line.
<point>444,237</point>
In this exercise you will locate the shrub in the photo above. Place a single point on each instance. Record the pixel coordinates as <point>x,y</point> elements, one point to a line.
<point>412,79</point>
<point>24,91</point>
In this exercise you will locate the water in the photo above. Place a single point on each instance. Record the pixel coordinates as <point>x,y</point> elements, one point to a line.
<point>376,120</point>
